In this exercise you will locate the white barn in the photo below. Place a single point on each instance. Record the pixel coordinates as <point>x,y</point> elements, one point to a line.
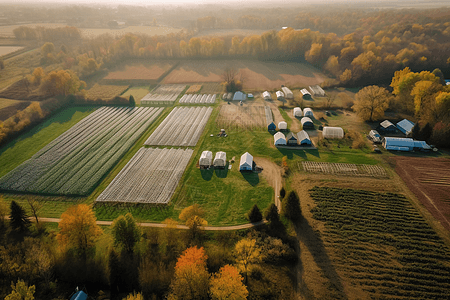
<point>297,112</point>
<point>279,139</point>
<point>266,95</point>
<point>246,163</point>
<point>333,133</point>
<point>307,112</point>
<point>282,125</point>
<point>205,159</point>
<point>220,160</point>
<point>287,93</point>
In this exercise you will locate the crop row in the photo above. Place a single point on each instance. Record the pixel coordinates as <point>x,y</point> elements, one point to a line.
<point>382,243</point>
<point>151,176</point>
<point>344,169</point>
<point>163,94</point>
<point>182,127</point>
<point>200,98</point>
<point>75,162</point>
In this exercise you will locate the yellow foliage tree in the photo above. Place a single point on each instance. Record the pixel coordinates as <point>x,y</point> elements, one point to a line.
<point>247,255</point>
<point>78,229</point>
<point>227,285</point>
<point>134,296</point>
<point>37,76</point>
<point>346,76</point>
<point>21,291</point>
<point>192,216</point>
<point>371,102</point>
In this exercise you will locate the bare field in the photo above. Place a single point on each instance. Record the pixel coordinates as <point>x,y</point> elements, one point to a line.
<point>8,102</point>
<point>9,49</point>
<point>7,31</point>
<point>137,92</point>
<point>140,71</point>
<point>150,30</point>
<point>105,92</point>
<point>249,116</point>
<point>255,75</point>
<point>429,179</point>
<point>229,32</point>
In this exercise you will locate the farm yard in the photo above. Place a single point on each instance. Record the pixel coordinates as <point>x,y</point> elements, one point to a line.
<point>198,99</point>
<point>105,92</point>
<point>151,176</point>
<point>75,162</point>
<point>182,127</point>
<point>377,244</point>
<point>163,94</point>
<point>429,180</point>
<point>246,117</point>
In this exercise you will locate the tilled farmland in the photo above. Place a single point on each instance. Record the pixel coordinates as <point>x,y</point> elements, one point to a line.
<point>163,94</point>
<point>151,176</point>
<point>182,127</point>
<point>198,99</point>
<point>75,162</point>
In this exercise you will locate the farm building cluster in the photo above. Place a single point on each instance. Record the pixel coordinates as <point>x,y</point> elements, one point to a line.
<point>206,160</point>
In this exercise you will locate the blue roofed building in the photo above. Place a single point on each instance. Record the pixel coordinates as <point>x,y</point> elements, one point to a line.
<point>404,144</point>
<point>405,126</point>
<point>239,96</point>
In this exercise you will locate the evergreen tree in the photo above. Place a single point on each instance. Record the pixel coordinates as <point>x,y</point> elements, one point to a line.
<point>426,132</point>
<point>271,214</point>
<point>438,73</point>
<point>132,102</point>
<point>18,218</point>
<point>255,214</point>
<point>291,207</point>
<point>282,193</point>
<point>416,131</point>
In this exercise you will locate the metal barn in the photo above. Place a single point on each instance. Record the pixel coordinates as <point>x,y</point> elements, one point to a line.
<point>405,126</point>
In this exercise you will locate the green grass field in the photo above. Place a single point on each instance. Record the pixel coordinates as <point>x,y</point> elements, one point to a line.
<point>138,93</point>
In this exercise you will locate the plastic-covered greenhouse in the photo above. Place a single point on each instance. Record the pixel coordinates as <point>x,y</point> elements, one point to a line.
<point>220,160</point>
<point>279,139</point>
<point>297,112</point>
<point>282,125</point>
<point>333,133</point>
<point>205,159</point>
<point>307,112</point>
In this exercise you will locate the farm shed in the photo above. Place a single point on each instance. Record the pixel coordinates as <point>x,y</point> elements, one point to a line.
<point>386,127</point>
<point>307,112</point>
<point>405,126</point>
<point>279,139</point>
<point>398,144</point>
<point>297,112</point>
<point>303,138</point>
<point>307,123</point>
<point>287,93</point>
<point>305,94</point>
<point>269,119</point>
<point>421,145</point>
<point>220,160</point>
<point>291,139</point>
<point>375,136</point>
<point>282,125</point>
<point>266,95</point>
<point>250,95</point>
<point>205,159</point>
<point>280,95</point>
<point>333,133</point>
<point>239,96</point>
<point>317,90</point>
<point>246,163</point>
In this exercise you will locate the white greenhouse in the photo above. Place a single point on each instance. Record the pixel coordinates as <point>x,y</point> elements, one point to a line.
<point>279,139</point>
<point>333,133</point>
<point>220,160</point>
<point>266,95</point>
<point>303,138</point>
<point>246,163</point>
<point>282,125</point>
<point>287,93</point>
<point>307,112</point>
<point>305,94</point>
<point>280,95</point>
<point>307,123</point>
<point>297,112</point>
<point>205,159</point>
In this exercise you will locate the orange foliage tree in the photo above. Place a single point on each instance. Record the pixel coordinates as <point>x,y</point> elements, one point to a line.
<point>227,284</point>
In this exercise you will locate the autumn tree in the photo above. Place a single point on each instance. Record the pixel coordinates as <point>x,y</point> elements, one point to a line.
<point>134,296</point>
<point>62,82</point>
<point>78,229</point>
<point>18,218</point>
<point>126,232</point>
<point>192,216</point>
<point>37,75</point>
<point>227,285</point>
<point>254,214</point>
<point>438,73</point>
<point>191,277</point>
<point>21,291</point>
<point>371,102</point>
<point>230,81</point>
<point>291,207</point>
<point>247,254</point>
<point>47,48</point>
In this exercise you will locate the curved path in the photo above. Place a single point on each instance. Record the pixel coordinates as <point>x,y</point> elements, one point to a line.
<point>159,225</point>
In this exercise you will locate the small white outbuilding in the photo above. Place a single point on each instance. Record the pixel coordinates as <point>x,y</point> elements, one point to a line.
<point>266,95</point>
<point>305,94</point>
<point>246,163</point>
<point>287,93</point>
<point>280,95</point>
<point>307,112</point>
<point>297,112</point>
<point>333,133</point>
<point>220,160</point>
<point>279,139</point>
<point>205,159</point>
<point>282,125</point>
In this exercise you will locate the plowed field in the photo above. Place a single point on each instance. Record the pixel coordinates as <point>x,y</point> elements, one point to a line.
<point>140,71</point>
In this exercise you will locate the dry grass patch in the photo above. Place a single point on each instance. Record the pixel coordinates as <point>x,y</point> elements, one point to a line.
<point>105,92</point>
<point>137,92</point>
<point>194,89</point>
<point>140,71</point>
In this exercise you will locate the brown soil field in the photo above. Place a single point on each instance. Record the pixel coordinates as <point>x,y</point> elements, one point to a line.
<point>7,111</point>
<point>105,92</point>
<point>7,31</point>
<point>255,75</point>
<point>140,71</point>
<point>212,88</point>
<point>149,30</point>
<point>429,179</point>
<point>249,116</point>
<point>194,89</point>
<point>8,49</point>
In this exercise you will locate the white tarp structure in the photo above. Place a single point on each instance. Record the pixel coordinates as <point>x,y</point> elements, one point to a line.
<point>280,95</point>
<point>266,95</point>
<point>246,163</point>
<point>305,93</point>
<point>317,90</point>
<point>205,159</point>
<point>279,139</point>
<point>333,133</point>
<point>307,123</point>
<point>297,112</point>
<point>287,93</point>
<point>307,112</point>
<point>220,160</point>
<point>303,138</point>
<point>282,125</point>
